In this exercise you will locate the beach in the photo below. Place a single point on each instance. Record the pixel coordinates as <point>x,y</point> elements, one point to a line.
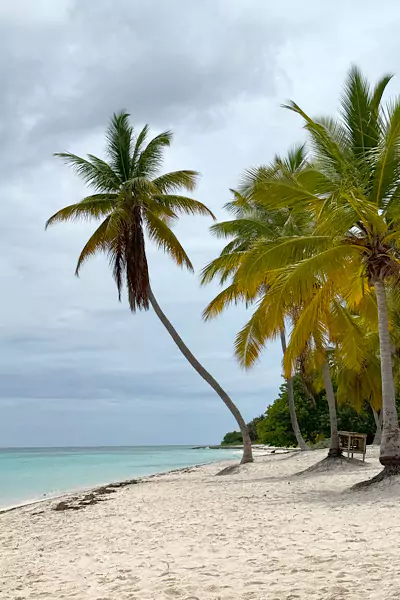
<point>261,533</point>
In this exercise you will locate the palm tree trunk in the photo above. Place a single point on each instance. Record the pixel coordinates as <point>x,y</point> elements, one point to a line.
<point>390,444</point>
<point>292,409</point>
<point>334,449</point>
<point>247,450</point>
<point>378,433</point>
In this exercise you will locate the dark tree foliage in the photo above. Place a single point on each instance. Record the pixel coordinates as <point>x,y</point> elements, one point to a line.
<point>235,437</point>
<point>274,427</point>
<point>232,437</point>
<point>252,427</point>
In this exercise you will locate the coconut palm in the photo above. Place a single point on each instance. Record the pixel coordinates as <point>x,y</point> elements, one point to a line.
<point>351,191</point>
<point>132,198</point>
<point>254,225</point>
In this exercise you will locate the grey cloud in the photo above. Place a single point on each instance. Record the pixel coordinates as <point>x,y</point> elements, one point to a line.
<point>76,367</point>
<point>65,77</point>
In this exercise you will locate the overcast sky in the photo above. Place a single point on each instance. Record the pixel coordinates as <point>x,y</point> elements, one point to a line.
<point>76,367</point>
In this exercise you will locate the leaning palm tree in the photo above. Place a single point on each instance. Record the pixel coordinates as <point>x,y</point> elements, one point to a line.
<point>351,191</point>
<point>130,198</point>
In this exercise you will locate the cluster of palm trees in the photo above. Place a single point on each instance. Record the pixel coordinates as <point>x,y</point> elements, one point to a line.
<point>313,250</point>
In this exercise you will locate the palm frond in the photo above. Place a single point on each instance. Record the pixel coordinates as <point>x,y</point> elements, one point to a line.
<point>310,321</point>
<point>150,159</point>
<point>348,332</point>
<point>140,189</point>
<point>387,158</point>
<point>375,104</point>
<point>91,207</point>
<point>118,263</point>
<point>367,308</point>
<point>176,180</point>
<point>297,283</point>
<point>336,130</point>
<point>239,205</point>
<point>119,138</point>
<point>325,147</point>
<point>98,242</point>
<point>267,255</point>
<point>245,229</point>
<point>235,245</point>
<point>251,339</point>
<point>296,158</point>
<point>350,389</point>
<point>182,204</point>
<point>346,211</point>
<point>98,175</point>
<point>277,192</point>
<point>230,295</point>
<point>139,144</point>
<point>224,266</point>
<point>355,110</point>
<point>162,235</point>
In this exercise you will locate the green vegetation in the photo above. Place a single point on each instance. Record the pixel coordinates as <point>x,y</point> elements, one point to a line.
<point>233,438</point>
<point>274,428</point>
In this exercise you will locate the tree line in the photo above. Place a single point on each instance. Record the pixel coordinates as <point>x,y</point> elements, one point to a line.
<point>312,251</point>
<point>274,427</point>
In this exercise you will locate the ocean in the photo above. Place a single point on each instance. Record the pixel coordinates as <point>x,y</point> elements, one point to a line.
<point>32,473</point>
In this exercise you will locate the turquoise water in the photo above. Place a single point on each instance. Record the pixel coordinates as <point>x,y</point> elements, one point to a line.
<point>32,473</point>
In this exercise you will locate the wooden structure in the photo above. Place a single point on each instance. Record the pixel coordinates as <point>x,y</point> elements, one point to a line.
<point>353,443</point>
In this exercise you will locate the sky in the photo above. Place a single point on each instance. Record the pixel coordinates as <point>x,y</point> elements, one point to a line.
<point>76,367</point>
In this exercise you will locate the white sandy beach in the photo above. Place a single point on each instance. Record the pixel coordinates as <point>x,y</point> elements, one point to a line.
<point>260,534</point>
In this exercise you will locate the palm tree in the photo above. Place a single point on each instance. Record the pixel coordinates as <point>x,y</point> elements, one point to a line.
<point>254,225</point>
<point>131,198</point>
<point>351,192</point>
<point>292,409</point>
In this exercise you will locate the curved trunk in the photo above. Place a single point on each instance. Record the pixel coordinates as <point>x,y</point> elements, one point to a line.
<point>390,444</point>
<point>292,409</point>
<point>247,450</point>
<point>334,449</point>
<point>378,433</point>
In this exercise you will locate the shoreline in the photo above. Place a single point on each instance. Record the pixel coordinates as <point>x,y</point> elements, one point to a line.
<point>118,484</point>
<point>258,451</point>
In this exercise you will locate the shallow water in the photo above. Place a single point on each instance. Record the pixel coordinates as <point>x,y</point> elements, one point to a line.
<point>31,473</point>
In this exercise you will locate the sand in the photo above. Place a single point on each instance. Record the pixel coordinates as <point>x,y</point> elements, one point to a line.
<point>260,534</point>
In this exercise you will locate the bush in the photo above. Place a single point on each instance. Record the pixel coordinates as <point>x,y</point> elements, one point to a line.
<point>233,437</point>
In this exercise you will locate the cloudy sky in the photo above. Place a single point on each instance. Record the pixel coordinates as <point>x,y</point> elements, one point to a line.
<point>76,368</point>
